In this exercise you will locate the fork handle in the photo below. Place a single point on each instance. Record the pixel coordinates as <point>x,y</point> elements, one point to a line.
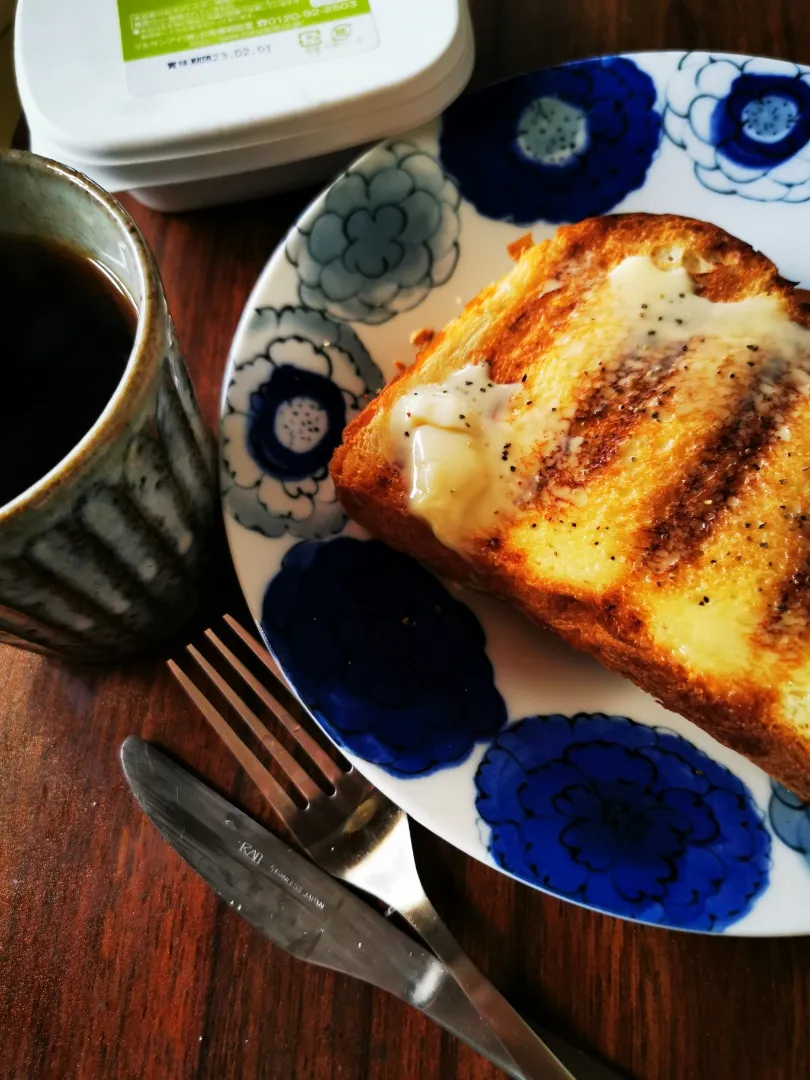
<point>532,1057</point>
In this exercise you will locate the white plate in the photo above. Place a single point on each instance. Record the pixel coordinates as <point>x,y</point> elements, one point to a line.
<point>518,750</point>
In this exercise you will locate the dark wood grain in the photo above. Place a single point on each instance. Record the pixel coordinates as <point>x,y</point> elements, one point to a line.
<point>117,963</point>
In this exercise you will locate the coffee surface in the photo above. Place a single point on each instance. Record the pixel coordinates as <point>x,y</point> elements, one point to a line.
<point>67,329</point>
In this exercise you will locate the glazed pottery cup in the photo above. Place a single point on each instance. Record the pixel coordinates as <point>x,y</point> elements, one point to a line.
<point>104,555</point>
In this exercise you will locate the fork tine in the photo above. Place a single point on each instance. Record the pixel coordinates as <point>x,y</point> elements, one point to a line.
<point>259,650</point>
<point>302,781</point>
<point>350,785</point>
<point>276,796</point>
<point>330,769</point>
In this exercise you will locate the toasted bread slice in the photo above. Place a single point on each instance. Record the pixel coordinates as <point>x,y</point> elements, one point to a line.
<point>638,483</point>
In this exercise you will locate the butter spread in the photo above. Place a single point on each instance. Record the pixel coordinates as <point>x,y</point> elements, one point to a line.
<point>662,306</point>
<point>472,450</point>
<point>452,442</point>
<point>664,309</point>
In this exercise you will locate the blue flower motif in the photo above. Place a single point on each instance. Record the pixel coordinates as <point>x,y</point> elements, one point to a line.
<point>385,234</point>
<point>302,379</point>
<point>790,819</point>
<point>557,145</point>
<point>392,666</point>
<point>744,123</point>
<point>630,819</point>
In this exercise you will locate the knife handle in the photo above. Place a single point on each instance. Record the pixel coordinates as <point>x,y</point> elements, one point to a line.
<point>451,1010</point>
<point>531,1058</point>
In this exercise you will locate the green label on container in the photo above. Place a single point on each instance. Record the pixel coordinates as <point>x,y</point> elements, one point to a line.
<point>170,44</point>
<point>156,27</point>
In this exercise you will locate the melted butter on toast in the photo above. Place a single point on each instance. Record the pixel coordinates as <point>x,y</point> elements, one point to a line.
<point>475,452</point>
<point>456,442</point>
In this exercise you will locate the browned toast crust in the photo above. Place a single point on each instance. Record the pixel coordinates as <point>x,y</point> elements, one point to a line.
<point>741,709</point>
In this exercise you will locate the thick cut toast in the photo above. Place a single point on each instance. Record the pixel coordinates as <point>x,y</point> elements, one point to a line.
<point>639,487</point>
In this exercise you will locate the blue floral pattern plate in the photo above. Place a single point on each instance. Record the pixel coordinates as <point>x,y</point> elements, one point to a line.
<point>520,751</point>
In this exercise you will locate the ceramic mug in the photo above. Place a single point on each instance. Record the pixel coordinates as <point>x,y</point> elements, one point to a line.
<point>104,554</point>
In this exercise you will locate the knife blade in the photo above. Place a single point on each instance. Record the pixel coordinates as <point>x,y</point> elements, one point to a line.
<point>304,911</point>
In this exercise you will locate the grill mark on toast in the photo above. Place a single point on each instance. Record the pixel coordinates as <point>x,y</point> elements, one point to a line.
<point>615,402</point>
<point>789,615</point>
<point>515,341</point>
<point>687,519</point>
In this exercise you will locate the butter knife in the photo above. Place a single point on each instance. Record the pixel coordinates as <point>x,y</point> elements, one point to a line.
<point>306,912</point>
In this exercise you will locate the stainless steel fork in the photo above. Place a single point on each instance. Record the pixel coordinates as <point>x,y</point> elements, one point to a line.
<point>353,831</point>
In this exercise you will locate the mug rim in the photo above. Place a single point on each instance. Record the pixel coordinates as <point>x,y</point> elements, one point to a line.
<point>116,413</point>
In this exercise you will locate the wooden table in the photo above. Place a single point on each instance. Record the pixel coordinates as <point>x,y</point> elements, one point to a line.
<point>116,962</point>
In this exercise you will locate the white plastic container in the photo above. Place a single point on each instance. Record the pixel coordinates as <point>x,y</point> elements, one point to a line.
<point>273,94</point>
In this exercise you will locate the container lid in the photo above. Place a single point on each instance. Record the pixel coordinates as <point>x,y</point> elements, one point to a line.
<point>157,80</point>
<point>348,130</point>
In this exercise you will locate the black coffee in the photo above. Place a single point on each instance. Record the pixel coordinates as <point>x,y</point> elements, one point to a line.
<point>66,333</point>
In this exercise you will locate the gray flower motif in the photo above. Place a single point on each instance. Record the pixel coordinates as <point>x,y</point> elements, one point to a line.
<point>302,379</point>
<point>385,234</point>
<point>790,818</point>
<point>744,123</point>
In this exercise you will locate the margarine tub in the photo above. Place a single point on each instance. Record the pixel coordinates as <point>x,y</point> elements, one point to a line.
<point>190,103</point>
